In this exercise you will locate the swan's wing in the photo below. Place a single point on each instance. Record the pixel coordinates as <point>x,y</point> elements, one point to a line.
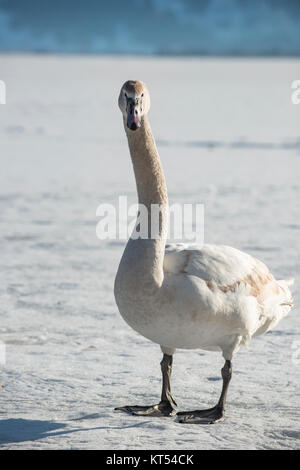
<point>229,271</point>
<point>218,264</point>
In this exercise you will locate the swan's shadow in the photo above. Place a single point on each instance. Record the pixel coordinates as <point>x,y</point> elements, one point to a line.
<point>18,430</point>
<point>21,430</point>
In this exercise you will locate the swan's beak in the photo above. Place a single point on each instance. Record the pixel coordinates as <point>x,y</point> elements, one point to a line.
<point>133,116</point>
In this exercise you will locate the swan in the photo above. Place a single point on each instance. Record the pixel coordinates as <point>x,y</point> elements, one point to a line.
<point>212,297</point>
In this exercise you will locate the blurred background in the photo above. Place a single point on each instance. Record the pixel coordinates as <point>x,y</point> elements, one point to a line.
<point>193,27</point>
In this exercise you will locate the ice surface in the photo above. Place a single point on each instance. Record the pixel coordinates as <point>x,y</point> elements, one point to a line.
<point>228,136</point>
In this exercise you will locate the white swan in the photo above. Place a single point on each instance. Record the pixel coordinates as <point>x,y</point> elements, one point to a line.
<point>214,297</point>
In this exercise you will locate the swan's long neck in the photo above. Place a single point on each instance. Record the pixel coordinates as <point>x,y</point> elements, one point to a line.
<point>150,180</point>
<point>147,255</point>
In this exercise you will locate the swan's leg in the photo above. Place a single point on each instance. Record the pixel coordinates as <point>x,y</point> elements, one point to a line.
<point>215,414</point>
<point>166,406</point>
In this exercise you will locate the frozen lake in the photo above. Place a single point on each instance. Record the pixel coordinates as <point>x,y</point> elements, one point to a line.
<point>228,136</point>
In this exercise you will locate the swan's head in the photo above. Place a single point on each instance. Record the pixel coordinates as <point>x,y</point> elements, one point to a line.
<point>134,102</point>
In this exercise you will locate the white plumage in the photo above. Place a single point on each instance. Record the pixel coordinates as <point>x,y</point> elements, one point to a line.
<point>215,298</point>
<point>182,296</point>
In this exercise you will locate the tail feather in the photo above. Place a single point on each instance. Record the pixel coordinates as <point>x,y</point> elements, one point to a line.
<point>288,300</point>
<point>287,282</point>
<point>278,308</point>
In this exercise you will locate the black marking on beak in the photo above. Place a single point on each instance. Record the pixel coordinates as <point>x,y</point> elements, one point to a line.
<point>133,116</point>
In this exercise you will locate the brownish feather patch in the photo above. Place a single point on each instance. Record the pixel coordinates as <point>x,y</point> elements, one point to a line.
<point>187,260</point>
<point>261,282</point>
<point>134,86</point>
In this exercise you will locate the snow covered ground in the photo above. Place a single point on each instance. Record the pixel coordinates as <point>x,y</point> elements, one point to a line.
<point>228,136</point>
